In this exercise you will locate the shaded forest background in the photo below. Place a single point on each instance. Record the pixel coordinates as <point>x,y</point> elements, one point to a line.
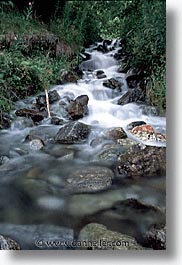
<point>40,38</point>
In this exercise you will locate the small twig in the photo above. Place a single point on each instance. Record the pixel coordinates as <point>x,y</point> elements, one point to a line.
<point>47,103</point>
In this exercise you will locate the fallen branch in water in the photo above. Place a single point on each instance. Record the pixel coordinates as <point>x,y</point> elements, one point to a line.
<point>47,103</point>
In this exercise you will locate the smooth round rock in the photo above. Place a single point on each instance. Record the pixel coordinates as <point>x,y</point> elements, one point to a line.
<point>97,236</point>
<point>91,178</point>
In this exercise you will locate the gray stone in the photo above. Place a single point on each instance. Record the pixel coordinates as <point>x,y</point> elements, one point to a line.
<point>97,236</point>
<point>113,83</point>
<point>132,95</point>
<point>6,243</point>
<point>155,237</point>
<point>78,108</point>
<point>91,178</point>
<point>73,132</point>
<point>116,133</point>
<point>150,110</point>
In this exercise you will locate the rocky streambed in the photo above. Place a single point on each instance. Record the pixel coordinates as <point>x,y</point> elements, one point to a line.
<point>94,171</point>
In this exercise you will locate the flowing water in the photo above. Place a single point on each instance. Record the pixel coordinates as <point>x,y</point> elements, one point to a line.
<point>32,183</point>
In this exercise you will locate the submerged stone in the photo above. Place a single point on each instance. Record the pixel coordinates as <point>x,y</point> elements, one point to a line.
<point>90,178</point>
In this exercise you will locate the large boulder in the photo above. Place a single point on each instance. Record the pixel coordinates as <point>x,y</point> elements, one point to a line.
<point>35,115</point>
<point>90,178</point>
<point>147,162</point>
<point>97,236</point>
<point>78,108</point>
<point>72,133</point>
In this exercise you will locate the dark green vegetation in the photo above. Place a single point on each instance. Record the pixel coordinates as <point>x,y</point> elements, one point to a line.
<point>35,46</point>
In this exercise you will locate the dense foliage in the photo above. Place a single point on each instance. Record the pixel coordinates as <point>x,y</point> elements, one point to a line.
<point>78,24</point>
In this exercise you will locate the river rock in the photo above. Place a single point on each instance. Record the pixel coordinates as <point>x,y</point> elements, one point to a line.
<point>5,121</point>
<point>124,67</point>
<point>78,108</point>
<point>110,154</point>
<point>36,116</point>
<point>98,237</point>
<point>38,237</point>
<point>132,216</point>
<point>116,133</point>
<point>3,160</point>
<point>155,237</point>
<point>150,110</point>
<point>133,124</point>
<point>6,243</point>
<point>133,80</point>
<point>113,83</point>
<point>100,74</point>
<point>72,133</point>
<point>148,162</point>
<point>57,121</point>
<point>91,178</point>
<point>68,77</point>
<point>132,95</point>
<point>41,99</point>
<point>126,142</point>
<point>36,144</point>
<point>146,132</point>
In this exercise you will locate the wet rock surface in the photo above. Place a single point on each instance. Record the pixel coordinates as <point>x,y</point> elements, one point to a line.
<point>90,179</point>
<point>5,121</point>
<point>133,124</point>
<point>68,77</point>
<point>36,116</point>
<point>78,107</point>
<point>6,243</point>
<point>150,110</point>
<point>132,95</point>
<point>151,161</point>
<point>116,133</point>
<point>41,99</point>
<point>107,239</point>
<point>100,74</point>
<point>73,132</point>
<point>113,83</point>
<point>146,132</point>
<point>155,237</point>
